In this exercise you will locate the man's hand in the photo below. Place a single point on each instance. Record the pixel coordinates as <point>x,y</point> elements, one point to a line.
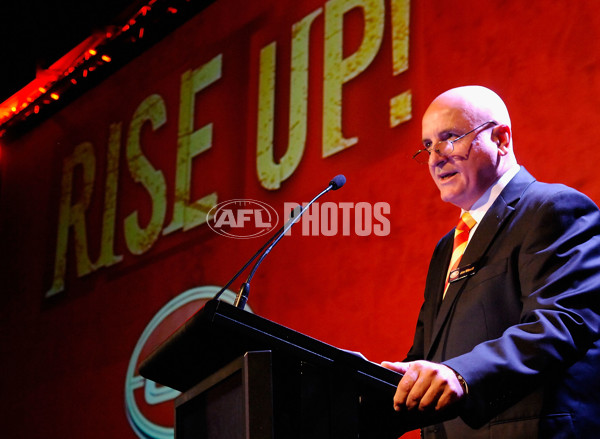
<point>425,385</point>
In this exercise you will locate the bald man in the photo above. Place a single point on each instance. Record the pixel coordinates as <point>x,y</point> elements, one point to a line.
<point>509,335</point>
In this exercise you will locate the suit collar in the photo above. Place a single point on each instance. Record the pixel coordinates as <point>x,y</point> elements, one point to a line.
<point>483,204</point>
<point>494,218</point>
<point>482,238</point>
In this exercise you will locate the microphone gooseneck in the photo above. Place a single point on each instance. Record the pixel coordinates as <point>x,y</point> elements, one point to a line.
<point>240,302</point>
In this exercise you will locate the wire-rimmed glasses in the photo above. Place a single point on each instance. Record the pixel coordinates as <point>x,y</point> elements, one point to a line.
<point>444,147</point>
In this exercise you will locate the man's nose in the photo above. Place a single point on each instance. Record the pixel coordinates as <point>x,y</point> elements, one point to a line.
<point>435,157</point>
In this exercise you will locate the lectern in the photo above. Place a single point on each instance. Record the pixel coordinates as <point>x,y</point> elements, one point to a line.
<point>243,376</point>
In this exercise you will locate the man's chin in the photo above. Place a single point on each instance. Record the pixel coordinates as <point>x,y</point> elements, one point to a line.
<point>452,198</point>
<point>447,196</point>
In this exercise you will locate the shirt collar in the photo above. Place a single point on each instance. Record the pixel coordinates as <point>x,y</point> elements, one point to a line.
<point>481,206</point>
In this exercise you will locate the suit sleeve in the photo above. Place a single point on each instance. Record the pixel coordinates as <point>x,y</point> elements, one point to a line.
<point>558,264</point>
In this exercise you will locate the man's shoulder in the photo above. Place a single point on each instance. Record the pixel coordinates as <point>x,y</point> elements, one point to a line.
<point>531,191</point>
<point>554,193</point>
<point>535,202</point>
<point>556,207</point>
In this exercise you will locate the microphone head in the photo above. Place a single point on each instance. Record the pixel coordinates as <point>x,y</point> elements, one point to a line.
<point>337,182</point>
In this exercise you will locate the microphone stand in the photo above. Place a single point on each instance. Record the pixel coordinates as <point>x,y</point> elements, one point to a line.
<point>247,264</point>
<point>242,297</point>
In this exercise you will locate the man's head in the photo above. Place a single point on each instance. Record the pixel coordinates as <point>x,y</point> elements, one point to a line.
<point>478,159</point>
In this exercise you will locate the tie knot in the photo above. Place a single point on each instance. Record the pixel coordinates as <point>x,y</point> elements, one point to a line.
<point>466,222</point>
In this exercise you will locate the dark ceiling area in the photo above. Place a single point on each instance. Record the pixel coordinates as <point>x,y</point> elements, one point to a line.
<point>36,33</point>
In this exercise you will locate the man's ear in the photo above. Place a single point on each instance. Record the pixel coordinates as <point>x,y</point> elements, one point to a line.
<point>502,136</point>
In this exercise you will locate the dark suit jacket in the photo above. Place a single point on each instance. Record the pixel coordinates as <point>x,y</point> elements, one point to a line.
<point>523,330</point>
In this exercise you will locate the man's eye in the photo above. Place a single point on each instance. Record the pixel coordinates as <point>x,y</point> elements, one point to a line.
<point>449,136</point>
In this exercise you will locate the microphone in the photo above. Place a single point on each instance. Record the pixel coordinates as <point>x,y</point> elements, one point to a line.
<point>293,213</point>
<point>240,302</point>
<point>336,182</point>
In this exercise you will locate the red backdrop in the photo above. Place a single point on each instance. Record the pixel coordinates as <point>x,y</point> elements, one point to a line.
<point>81,283</point>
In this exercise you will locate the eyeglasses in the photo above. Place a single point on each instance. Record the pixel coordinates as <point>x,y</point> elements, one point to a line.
<point>444,147</point>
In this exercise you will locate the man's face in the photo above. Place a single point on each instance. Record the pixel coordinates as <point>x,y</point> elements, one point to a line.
<point>464,175</point>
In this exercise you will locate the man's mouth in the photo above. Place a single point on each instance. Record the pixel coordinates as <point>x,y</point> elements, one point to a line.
<point>447,175</point>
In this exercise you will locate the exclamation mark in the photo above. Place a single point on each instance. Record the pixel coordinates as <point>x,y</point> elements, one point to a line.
<point>400,105</point>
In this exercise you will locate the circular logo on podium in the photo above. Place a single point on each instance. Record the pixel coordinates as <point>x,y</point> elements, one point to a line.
<point>148,405</point>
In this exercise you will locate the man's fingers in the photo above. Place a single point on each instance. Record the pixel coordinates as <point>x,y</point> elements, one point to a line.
<point>426,386</point>
<point>405,396</point>
<point>431,397</point>
<point>396,366</point>
<point>449,396</point>
<point>422,394</point>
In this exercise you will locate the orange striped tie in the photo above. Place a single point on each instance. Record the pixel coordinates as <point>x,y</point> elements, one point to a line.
<point>461,236</point>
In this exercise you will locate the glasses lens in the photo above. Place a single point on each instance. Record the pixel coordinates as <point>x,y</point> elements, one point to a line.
<point>422,157</point>
<point>443,148</point>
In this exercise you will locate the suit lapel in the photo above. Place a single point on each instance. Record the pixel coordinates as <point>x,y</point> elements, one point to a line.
<point>483,237</point>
